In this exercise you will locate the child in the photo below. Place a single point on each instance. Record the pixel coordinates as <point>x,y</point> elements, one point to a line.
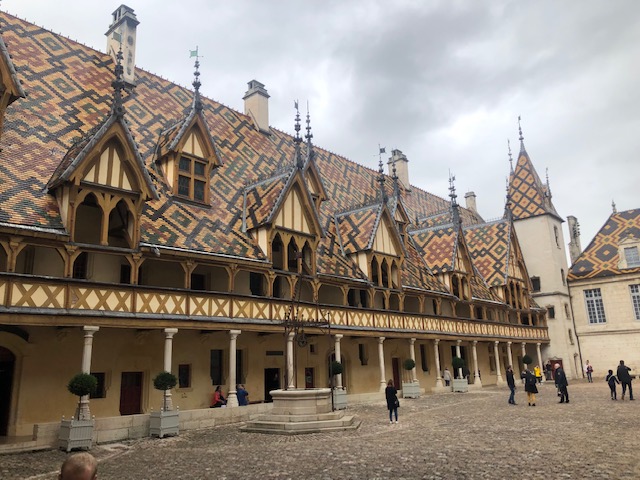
<point>612,380</point>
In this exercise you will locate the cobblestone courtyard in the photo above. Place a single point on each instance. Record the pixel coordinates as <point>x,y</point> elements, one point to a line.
<point>474,435</point>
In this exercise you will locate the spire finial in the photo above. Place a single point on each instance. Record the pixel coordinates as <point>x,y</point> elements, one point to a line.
<point>383,192</point>
<point>613,206</point>
<point>507,206</point>
<point>197,102</point>
<point>548,185</point>
<point>118,85</point>
<point>309,135</point>
<point>297,140</point>
<point>510,157</point>
<point>454,203</point>
<point>394,176</point>
<point>521,138</point>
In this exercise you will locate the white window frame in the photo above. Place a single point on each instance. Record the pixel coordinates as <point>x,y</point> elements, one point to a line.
<point>631,257</point>
<point>634,290</point>
<point>594,306</point>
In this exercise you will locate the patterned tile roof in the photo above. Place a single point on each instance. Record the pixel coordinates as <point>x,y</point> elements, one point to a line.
<point>438,246</point>
<point>529,196</point>
<point>263,197</point>
<point>601,257</point>
<point>357,228</point>
<point>489,245</point>
<point>416,274</point>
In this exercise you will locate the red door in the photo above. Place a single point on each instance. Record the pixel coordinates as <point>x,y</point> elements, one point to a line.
<point>131,393</point>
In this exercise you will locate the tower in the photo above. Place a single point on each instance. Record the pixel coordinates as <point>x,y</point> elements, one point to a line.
<point>122,36</point>
<point>539,229</point>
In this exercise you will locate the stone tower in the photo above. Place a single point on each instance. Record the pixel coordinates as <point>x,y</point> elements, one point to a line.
<point>122,34</point>
<point>539,230</point>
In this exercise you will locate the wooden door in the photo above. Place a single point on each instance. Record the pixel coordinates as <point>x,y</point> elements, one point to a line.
<point>395,366</point>
<point>7,364</point>
<point>271,382</point>
<point>131,393</point>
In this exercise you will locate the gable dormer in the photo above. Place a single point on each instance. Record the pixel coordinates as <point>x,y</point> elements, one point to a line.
<point>10,87</point>
<point>101,186</point>
<point>187,156</point>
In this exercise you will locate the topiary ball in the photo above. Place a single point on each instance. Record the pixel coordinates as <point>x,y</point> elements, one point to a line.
<point>82,384</point>
<point>409,364</point>
<point>165,381</point>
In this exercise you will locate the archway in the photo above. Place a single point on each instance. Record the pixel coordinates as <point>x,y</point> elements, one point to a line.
<point>7,368</point>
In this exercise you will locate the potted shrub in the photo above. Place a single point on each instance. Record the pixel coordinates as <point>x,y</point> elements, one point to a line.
<point>167,420</point>
<point>339,393</point>
<point>78,431</point>
<point>410,388</point>
<point>460,384</point>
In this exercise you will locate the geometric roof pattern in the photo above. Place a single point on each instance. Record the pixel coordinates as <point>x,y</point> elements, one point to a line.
<point>438,245</point>
<point>489,246</point>
<point>601,257</point>
<point>358,228</point>
<point>529,196</point>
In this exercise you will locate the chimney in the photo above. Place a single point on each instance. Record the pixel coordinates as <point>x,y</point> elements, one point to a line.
<point>122,33</point>
<point>574,234</point>
<point>470,201</point>
<point>402,167</point>
<point>256,105</point>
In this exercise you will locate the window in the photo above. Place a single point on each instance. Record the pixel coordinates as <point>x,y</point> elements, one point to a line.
<point>101,391</point>
<point>631,256</point>
<point>564,279</point>
<point>81,266</point>
<point>191,178</point>
<point>557,235</point>
<point>215,367</point>
<point>551,311</point>
<point>125,273</point>
<point>635,299</point>
<point>198,281</point>
<point>423,358</point>
<point>566,311</point>
<point>256,284</point>
<point>184,375</point>
<point>595,307</point>
<point>535,284</point>
<point>570,333</point>
<point>362,354</point>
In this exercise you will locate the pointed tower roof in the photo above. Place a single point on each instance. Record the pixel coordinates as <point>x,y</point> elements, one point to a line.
<point>528,196</point>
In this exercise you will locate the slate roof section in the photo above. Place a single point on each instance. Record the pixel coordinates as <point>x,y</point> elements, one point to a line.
<point>601,257</point>
<point>438,246</point>
<point>529,196</point>
<point>489,246</point>
<point>357,228</point>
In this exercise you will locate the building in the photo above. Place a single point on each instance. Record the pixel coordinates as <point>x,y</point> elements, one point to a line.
<point>540,236</point>
<point>145,228</point>
<point>604,282</point>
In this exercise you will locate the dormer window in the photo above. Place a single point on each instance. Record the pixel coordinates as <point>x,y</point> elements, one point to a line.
<point>192,180</point>
<point>631,256</point>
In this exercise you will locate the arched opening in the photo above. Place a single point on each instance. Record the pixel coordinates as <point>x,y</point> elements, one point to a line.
<point>37,260</point>
<point>7,366</point>
<point>157,273</point>
<point>281,288</point>
<point>88,221</point>
<point>412,304</point>
<point>330,295</point>
<point>379,301</point>
<point>358,298</point>
<point>277,253</point>
<point>305,291</point>
<point>81,266</point>
<point>455,286</point>
<point>394,302</point>
<point>120,226</point>
<point>3,260</point>
<point>211,278</point>
<point>384,270</point>
<point>292,256</point>
<point>307,259</point>
<point>395,275</point>
<point>375,278</point>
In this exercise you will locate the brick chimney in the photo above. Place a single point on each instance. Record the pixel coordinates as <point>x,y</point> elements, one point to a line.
<point>256,105</point>
<point>470,201</point>
<point>122,32</point>
<point>402,167</point>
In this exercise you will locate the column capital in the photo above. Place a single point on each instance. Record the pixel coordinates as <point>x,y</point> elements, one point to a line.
<point>458,342</point>
<point>381,340</point>
<point>509,343</point>
<point>538,344</point>
<point>90,330</point>
<point>234,333</point>
<point>475,342</point>
<point>290,336</point>
<point>436,341</point>
<point>170,332</point>
<point>524,343</point>
<point>338,337</point>
<point>412,341</point>
<point>496,342</point>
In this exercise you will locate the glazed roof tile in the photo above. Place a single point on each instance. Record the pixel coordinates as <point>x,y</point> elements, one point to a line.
<point>489,245</point>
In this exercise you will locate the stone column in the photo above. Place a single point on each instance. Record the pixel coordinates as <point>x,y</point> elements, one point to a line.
<point>436,354</point>
<point>540,364</point>
<point>83,408</point>
<point>524,349</point>
<point>168,349</point>
<point>290,380</point>
<point>232,398</point>
<point>476,371</point>
<point>383,381</point>
<point>458,342</point>
<point>337,339</point>
<point>496,352</point>
<point>509,354</point>
<point>412,356</point>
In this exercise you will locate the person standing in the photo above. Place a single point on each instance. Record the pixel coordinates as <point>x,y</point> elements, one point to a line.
<point>547,370</point>
<point>562,383</point>
<point>243,396</point>
<point>530,386</point>
<point>446,375</point>
<point>512,385</point>
<point>538,374</point>
<point>589,371</point>
<point>391,394</point>
<point>625,379</point>
<point>612,380</point>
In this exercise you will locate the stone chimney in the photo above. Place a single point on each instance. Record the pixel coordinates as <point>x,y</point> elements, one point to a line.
<point>574,234</point>
<point>402,167</point>
<point>256,105</point>
<point>122,33</point>
<point>470,201</point>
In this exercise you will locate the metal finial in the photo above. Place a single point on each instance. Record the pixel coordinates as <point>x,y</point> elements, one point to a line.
<point>297,138</point>
<point>520,129</point>
<point>510,157</point>
<point>507,205</point>
<point>197,102</point>
<point>309,135</point>
<point>613,206</point>
<point>383,192</point>
<point>452,189</point>
<point>118,85</point>
<point>548,185</point>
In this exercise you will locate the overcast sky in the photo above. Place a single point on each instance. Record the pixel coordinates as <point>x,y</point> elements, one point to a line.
<point>443,81</point>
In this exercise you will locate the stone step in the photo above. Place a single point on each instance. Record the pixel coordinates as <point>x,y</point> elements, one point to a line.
<point>318,417</point>
<point>289,428</point>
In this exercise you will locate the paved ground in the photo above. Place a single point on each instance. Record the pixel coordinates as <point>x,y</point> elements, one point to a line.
<point>446,436</point>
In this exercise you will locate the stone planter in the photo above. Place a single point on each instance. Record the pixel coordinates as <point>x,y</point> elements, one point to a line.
<point>164,422</point>
<point>75,434</point>
<point>460,385</point>
<point>410,390</point>
<point>339,398</point>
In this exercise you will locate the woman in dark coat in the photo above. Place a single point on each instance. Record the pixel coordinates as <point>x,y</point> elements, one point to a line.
<point>530,387</point>
<point>392,400</point>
